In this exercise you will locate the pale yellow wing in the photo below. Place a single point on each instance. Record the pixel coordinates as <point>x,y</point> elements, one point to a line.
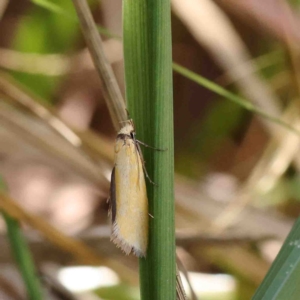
<point>130,227</point>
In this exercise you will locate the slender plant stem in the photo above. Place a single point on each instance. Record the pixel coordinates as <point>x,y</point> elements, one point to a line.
<point>231,96</point>
<point>3,6</point>
<point>22,255</point>
<point>57,9</point>
<point>111,91</point>
<point>148,77</point>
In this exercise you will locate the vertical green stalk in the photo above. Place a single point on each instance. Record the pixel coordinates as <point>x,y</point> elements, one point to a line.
<point>148,77</point>
<point>22,256</point>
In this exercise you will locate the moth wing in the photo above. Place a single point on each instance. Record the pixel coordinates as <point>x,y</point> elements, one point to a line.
<point>130,225</point>
<point>112,199</point>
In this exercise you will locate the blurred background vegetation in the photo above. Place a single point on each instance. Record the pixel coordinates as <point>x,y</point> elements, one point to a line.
<point>237,174</point>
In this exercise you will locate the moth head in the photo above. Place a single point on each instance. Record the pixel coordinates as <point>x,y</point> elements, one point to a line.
<point>128,129</point>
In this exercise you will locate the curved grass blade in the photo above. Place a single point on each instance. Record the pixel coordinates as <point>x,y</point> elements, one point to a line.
<point>22,255</point>
<point>53,7</point>
<point>230,96</point>
<point>184,72</point>
<point>282,280</point>
<point>148,77</point>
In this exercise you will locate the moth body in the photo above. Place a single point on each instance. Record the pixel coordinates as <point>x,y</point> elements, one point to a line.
<point>128,200</point>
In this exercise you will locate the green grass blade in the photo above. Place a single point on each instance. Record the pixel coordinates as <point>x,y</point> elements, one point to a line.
<point>184,72</point>
<point>22,256</point>
<point>55,8</point>
<point>148,77</point>
<point>282,280</point>
<point>230,96</point>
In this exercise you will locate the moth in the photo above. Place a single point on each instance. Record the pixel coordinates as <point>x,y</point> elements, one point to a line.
<point>128,194</point>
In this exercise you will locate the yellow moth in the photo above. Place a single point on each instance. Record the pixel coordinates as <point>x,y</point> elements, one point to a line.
<point>128,194</point>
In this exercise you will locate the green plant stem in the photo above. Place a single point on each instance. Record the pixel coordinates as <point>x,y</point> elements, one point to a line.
<point>22,256</point>
<point>148,77</point>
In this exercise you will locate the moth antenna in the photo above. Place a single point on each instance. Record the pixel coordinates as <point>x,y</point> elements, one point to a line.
<point>132,123</point>
<point>123,121</point>
<point>128,114</point>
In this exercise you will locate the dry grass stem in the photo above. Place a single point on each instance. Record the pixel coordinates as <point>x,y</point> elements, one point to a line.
<point>80,251</point>
<point>112,93</point>
<point>87,142</point>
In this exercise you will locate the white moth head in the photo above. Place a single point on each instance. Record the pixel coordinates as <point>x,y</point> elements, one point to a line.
<point>128,128</point>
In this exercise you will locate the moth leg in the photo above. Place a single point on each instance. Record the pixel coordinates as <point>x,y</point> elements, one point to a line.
<point>145,145</point>
<point>143,162</point>
<point>138,154</point>
<point>147,175</point>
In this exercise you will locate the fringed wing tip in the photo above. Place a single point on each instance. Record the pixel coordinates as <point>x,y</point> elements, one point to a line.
<point>112,211</point>
<point>123,245</point>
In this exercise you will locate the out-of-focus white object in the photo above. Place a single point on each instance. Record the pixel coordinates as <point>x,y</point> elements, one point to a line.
<point>270,249</point>
<point>80,279</point>
<point>220,186</point>
<point>204,284</point>
<point>56,64</point>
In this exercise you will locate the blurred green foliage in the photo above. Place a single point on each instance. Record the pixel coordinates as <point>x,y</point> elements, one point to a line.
<point>120,292</point>
<point>41,31</point>
<point>222,121</point>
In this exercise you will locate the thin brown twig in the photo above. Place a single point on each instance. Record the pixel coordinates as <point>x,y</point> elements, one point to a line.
<point>87,142</point>
<point>12,89</point>
<point>187,239</point>
<point>8,287</point>
<point>54,287</point>
<point>181,266</point>
<point>180,292</point>
<point>79,250</point>
<point>292,48</point>
<point>24,130</point>
<point>273,163</point>
<point>56,64</point>
<point>3,5</point>
<point>111,91</point>
<point>100,235</point>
